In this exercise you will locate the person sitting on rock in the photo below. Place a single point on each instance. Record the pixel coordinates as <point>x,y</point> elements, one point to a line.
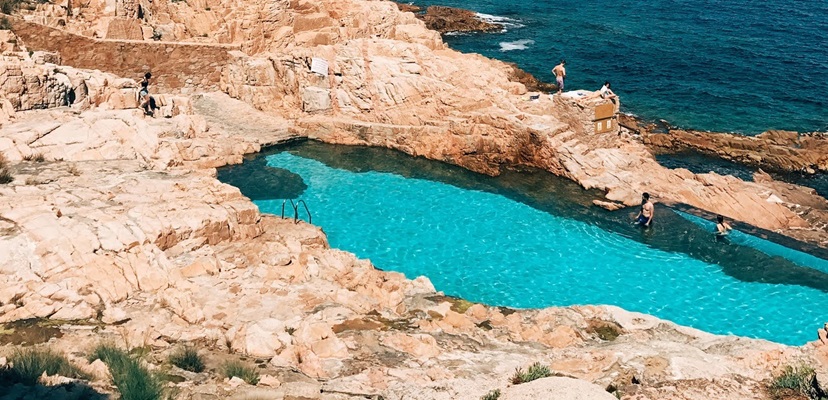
<point>604,92</point>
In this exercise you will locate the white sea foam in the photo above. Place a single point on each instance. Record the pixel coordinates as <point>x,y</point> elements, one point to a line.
<point>516,45</point>
<point>506,22</point>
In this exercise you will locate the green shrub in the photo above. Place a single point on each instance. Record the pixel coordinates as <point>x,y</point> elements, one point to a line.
<point>5,24</point>
<point>30,364</point>
<point>239,370</point>
<point>36,157</point>
<point>800,379</point>
<point>5,174</point>
<point>133,380</point>
<point>535,371</point>
<point>492,395</point>
<point>187,358</point>
<point>9,6</point>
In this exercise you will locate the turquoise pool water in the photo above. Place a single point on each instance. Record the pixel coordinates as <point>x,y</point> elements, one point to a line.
<point>529,239</point>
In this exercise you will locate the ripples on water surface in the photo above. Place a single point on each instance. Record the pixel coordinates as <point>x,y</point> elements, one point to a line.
<point>742,66</point>
<point>529,239</point>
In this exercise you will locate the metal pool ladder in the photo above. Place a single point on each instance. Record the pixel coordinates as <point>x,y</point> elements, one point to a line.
<point>295,206</point>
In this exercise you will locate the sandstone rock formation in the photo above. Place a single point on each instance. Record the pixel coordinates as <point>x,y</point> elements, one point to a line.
<point>780,151</point>
<point>449,19</point>
<point>125,226</point>
<point>532,83</point>
<point>171,255</point>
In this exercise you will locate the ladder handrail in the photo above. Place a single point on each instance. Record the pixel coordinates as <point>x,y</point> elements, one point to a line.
<point>295,206</point>
<point>307,210</point>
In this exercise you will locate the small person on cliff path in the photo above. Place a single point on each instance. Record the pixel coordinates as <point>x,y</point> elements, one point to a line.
<point>645,216</point>
<point>560,73</point>
<point>147,102</point>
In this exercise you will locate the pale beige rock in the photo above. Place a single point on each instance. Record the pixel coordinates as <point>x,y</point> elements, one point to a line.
<point>262,338</point>
<point>420,346</point>
<point>556,388</point>
<point>235,382</point>
<point>269,381</point>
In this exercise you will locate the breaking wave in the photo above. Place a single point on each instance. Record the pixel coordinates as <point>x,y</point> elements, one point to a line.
<point>516,45</point>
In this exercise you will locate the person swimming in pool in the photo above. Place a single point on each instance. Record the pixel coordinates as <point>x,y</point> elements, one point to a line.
<point>645,216</point>
<point>722,227</point>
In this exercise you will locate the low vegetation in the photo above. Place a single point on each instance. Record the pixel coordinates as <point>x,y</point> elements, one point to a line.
<point>9,6</point>
<point>73,169</point>
<point>535,371</point>
<point>796,380</point>
<point>5,24</point>
<point>492,395</point>
<point>188,359</point>
<point>5,173</point>
<point>605,330</point>
<point>30,363</point>
<point>132,379</point>
<point>241,371</point>
<point>34,157</point>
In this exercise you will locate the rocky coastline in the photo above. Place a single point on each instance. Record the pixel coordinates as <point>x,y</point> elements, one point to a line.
<point>449,19</point>
<point>117,230</point>
<point>772,151</point>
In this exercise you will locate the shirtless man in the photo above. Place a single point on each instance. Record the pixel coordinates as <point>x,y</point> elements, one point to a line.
<point>645,216</point>
<point>560,73</point>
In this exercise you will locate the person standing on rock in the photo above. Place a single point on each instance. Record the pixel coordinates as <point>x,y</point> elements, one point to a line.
<point>560,73</point>
<point>645,216</point>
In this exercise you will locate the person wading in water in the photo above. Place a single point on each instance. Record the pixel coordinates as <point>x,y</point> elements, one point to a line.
<point>645,216</point>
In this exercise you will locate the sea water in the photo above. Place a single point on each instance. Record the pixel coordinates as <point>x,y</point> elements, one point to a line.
<point>732,66</point>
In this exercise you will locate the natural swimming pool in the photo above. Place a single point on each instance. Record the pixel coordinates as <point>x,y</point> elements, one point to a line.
<point>530,239</point>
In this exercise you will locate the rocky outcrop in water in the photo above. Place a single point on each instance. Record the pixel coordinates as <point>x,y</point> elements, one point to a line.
<point>532,83</point>
<point>779,151</point>
<point>449,19</point>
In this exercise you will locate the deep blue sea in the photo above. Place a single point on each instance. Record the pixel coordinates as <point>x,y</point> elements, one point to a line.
<point>733,66</point>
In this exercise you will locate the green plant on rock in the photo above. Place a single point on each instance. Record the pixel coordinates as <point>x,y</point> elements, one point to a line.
<point>34,157</point>
<point>5,24</point>
<point>29,364</point>
<point>188,359</point>
<point>132,379</point>
<point>241,371</point>
<point>796,379</point>
<point>535,371</point>
<point>5,174</point>
<point>492,395</point>
<point>9,6</point>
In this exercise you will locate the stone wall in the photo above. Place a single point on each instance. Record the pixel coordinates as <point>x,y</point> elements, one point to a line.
<point>176,67</point>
